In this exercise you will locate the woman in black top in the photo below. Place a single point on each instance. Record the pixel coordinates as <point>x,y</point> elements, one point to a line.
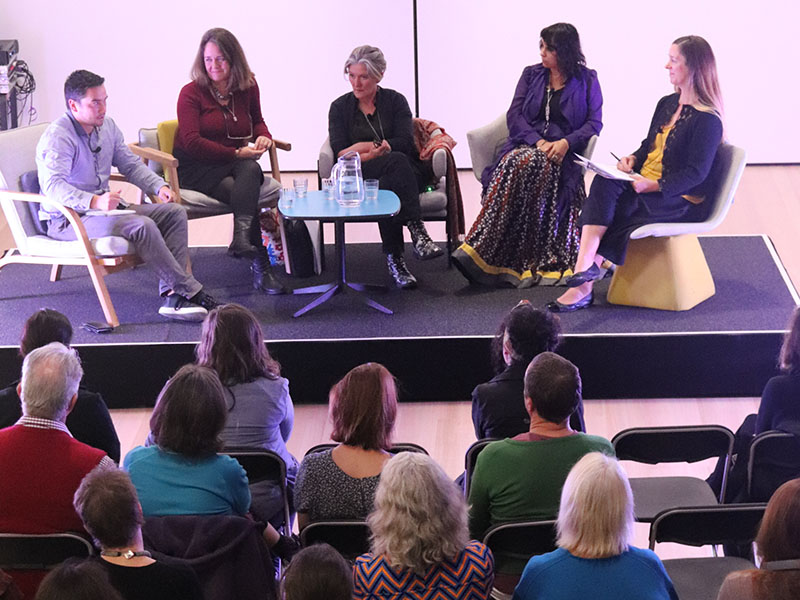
<point>674,161</point>
<point>376,123</point>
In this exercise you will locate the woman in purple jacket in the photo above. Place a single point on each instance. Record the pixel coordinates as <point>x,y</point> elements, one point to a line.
<point>532,194</point>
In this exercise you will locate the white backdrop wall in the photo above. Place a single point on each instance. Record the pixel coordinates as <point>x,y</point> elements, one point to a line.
<point>471,55</point>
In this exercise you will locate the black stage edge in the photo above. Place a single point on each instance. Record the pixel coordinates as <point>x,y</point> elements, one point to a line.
<point>437,342</point>
<point>436,369</point>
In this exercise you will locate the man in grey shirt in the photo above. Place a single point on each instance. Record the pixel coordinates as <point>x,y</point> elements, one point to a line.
<point>74,159</point>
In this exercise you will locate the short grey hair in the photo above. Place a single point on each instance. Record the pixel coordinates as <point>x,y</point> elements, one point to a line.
<point>595,519</point>
<point>420,516</point>
<point>50,378</point>
<point>369,56</point>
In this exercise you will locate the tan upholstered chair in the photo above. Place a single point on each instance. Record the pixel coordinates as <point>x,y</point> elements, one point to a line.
<point>665,267</point>
<point>100,256</point>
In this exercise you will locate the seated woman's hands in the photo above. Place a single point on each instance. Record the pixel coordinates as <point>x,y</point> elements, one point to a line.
<point>642,185</point>
<point>249,152</point>
<point>555,151</point>
<point>627,163</point>
<point>263,143</point>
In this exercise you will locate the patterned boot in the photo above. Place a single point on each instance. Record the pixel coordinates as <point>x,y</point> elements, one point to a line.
<point>424,248</point>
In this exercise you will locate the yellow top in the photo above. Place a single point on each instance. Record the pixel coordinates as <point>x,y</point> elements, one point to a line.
<point>652,167</point>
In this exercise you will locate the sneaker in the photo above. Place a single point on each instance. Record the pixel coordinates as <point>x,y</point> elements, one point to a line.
<point>207,301</point>
<point>182,309</point>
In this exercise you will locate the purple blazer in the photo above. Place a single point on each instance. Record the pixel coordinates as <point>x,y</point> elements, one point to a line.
<point>581,104</point>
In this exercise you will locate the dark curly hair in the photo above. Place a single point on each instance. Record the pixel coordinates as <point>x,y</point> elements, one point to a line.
<point>564,39</point>
<point>530,331</point>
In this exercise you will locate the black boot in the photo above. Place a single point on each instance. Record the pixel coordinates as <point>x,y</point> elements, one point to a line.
<point>424,248</point>
<point>263,278</point>
<point>400,273</point>
<point>240,245</point>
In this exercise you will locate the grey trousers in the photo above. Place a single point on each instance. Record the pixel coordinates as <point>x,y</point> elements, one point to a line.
<point>158,232</point>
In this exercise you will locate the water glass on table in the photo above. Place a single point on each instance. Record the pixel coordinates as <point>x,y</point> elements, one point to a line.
<point>287,196</point>
<point>327,187</point>
<point>300,187</point>
<point>371,190</point>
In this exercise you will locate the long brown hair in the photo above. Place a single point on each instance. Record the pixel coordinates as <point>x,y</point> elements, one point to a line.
<point>241,77</point>
<point>702,66</point>
<point>232,343</point>
<point>789,360</point>
<point>779,539</point>
<point>363,407</point>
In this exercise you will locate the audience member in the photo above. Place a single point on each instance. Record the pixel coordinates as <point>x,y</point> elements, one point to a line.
<point>260,410</point>
<point>107,503</point>
<point>182,474</point>
<point>779,410</point>
<point>420,539</point>
<point>341,483</point>
<point>89,421</point>
<point>521,477</point>
<point>778,544</point>
<point>498,408</point>
<point>318,573</point>
<point>595,559</point>
<point>75,579</point>
<point>41,465</point>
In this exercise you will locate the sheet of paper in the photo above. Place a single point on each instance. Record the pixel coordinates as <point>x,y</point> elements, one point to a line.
<point>94,212</point>
<point>604,170</point>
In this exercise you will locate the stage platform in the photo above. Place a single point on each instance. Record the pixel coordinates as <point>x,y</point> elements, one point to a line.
<point>437,341</point>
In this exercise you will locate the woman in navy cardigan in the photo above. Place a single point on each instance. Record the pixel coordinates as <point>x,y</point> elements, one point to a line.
<point>670,169</point>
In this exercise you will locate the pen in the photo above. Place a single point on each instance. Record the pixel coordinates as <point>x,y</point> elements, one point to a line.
<point>615,156</point>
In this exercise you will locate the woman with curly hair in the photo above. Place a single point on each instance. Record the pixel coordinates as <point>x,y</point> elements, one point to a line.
<point>498,410</point>
<point>420,540</point>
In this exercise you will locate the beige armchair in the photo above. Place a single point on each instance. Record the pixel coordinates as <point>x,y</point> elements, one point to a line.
<point>100,256</point>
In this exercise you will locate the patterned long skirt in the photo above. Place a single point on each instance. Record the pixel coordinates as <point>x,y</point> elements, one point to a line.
<point>527,232</point>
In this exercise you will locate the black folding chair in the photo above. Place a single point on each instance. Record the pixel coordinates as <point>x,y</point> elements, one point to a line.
<point>471,458</point>
<point>701,578</point>
<point>774,460</point>
<point>395,449</point>
<point>264,465</point>
<point>654,445</point>
<point>350,538</point>
<point>516,543</point>
<point>40,552</point>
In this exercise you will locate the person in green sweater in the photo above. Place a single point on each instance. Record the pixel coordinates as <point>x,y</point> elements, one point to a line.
<point>520,478</point>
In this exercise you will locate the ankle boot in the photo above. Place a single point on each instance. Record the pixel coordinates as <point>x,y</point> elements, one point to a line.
<point>240,245</point>
<point>424,248</point>
<point>263,277</point>
<point>400,273</point>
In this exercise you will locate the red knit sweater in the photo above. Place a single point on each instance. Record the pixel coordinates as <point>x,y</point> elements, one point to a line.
<point>40,469</point>
<point>203,129</point>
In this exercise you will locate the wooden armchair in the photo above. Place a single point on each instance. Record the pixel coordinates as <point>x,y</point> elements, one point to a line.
<point>100,256</point>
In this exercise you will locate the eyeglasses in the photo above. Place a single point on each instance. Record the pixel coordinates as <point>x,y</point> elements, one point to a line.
<point>225,112</point>
<point>522,302</point>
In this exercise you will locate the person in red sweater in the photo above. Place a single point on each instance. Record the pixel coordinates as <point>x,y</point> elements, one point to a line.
<point>41,465</point>
<point>221,135</point>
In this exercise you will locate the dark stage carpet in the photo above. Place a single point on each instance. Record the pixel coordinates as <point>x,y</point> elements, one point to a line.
<point>753,294</point>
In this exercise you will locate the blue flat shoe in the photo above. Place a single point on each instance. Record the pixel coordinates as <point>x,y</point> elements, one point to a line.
<point>591,274</point>
<point>585,302</point>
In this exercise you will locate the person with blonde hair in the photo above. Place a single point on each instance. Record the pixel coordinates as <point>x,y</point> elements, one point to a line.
<point>778,543</point>
<point>594,558</point>
<point>340,483</point>
<point>671,171</point>
<point>420,539</point>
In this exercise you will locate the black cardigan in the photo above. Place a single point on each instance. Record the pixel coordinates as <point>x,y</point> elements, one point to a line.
<point>689,151</point>
<point>395,118</point>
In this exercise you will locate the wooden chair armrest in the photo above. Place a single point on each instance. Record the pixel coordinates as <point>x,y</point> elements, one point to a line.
<point>282,145</point>
<point>163,158</point>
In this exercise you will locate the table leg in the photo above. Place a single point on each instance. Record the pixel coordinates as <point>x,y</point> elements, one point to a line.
<point>335,289</point>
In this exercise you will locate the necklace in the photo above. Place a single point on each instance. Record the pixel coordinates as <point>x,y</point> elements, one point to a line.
<point>547,108</point>
<point>219,95</point>
<point>380,137</point>
<point>127,554</point>
<point>231,108</point>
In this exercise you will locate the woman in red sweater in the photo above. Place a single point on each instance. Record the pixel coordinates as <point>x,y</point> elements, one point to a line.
<point>221,135</point>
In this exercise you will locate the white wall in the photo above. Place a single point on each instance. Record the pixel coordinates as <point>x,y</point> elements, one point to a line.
<point>471,55</point>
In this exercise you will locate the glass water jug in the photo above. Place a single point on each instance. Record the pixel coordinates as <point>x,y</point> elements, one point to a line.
<point>348,182</point>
